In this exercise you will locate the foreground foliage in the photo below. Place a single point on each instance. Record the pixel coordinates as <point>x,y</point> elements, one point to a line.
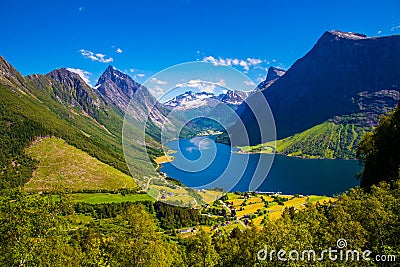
<point>380,151</point>
<point>35,230</point>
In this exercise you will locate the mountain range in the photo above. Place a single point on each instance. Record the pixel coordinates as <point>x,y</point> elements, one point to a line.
<point>345,82</point>
<point>61,104</point>
<point>322,106</point>
<point>207,111</point>
<point>192,100</point>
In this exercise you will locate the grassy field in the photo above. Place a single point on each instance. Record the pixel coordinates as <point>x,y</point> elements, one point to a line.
<point>250,209</point>
<point>98,198</point>
<point>237,202</point>
<point>254,200</point>
<point>251,205</point>
<point>65,166</point>
<point>210,196</point>
<point>164,159</point>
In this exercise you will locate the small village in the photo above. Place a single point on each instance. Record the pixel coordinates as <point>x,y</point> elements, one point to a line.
<point>250,209</point>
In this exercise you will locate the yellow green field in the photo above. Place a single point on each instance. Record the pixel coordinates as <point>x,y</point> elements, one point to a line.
<point>237,202</point>
<point>209,196</point>
<point>254,200</point>
<point>62,165</point>
<point>98,198</point>
<point>250,209</point>
<point>274,211</point>
<point>164,159</point>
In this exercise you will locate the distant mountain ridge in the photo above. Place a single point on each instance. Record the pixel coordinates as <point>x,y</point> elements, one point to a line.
<point>206,108</point>
<point>191,100</point>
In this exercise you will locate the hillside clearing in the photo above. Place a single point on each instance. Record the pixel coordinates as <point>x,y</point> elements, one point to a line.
<point>62,165</point>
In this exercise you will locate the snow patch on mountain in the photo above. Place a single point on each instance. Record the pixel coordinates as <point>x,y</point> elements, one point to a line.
<point>192,100</point>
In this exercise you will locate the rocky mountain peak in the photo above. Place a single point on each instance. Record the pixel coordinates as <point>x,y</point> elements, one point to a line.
<point>328,80</point>
<point>9,75</point>
<point>70,88</point>
<point>111,73</point>
<point>274,73</point>
<point>63,75</point>
<point>334,36</point>
<point>116,78</point>
<point>346,35</point>
<point>119,89</point>
<point>69,80</point>
<point>272,76</point>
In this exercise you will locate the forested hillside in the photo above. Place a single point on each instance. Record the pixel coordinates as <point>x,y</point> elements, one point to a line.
<point>23,119</point>
<point>326,140</point>
<point>128,234</point>
<point>58,104</point>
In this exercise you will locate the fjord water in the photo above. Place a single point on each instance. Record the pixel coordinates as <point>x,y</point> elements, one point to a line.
<point>288,175</point>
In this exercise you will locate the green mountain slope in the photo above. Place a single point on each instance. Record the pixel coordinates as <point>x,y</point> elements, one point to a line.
<point>326,140</point>
<point>31,107</point>
<point>22,119</point>
<point>60,164</point>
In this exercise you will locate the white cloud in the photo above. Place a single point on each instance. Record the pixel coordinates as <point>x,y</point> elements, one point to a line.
<point>221,82</point>
<point>157,81</point>
<point>249,83</point>
<point>132,70</point>
<point>95,57</point>
<point>203,86</point>
<point>254,61</point>
<point>395,28</point>
<point>379,32</point>
<point>246,64</point>
<point>85,75</point>
<point>156,91</point>
<point>138,76</point>
<point>119,50</point>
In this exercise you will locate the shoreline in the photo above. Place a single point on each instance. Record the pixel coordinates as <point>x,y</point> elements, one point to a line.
<point>165,158</point>
<point>290,156</point>
<point>235,150</point>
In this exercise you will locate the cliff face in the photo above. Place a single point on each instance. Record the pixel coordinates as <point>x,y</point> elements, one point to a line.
<point>341,75</point>
<point>273,75</point>
<point>118,89</point>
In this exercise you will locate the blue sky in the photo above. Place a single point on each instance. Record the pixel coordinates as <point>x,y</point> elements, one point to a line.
<point>144,37</point>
